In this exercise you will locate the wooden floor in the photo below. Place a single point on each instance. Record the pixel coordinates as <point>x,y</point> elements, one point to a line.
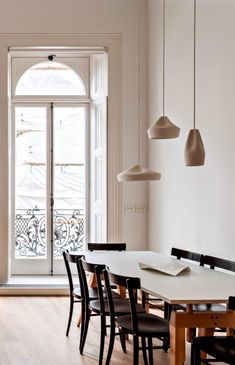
<point>32,332</point>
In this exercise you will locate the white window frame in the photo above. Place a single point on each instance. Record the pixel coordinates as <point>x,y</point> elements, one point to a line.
<point>23,61</point>
<point>112,42</point>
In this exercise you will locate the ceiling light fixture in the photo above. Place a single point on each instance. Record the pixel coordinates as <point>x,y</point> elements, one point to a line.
<point>163,128</point>
<point>194,149</point>
<point>138,172</point>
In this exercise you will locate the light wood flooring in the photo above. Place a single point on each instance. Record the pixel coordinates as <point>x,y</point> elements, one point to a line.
<point>32,332</point>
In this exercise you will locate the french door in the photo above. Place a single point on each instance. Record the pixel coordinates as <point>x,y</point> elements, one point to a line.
<point>49,183</point>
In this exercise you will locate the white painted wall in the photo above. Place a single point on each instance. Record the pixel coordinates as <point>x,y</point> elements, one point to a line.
<point>98,16</point>
<point>194,207</point>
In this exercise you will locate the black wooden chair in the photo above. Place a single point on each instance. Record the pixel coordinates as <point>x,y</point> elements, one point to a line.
<point>99,307</point>
<point>202,260</point>
<point>215,263</point>
<point>75,293</point>
<point>106,246</point>
<point>221,348</point>
<point>140,325</point>
<point>179,254</point>
<point>187,255</point>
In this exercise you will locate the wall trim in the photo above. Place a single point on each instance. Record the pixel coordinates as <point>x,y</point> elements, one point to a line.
<point>19,291</point>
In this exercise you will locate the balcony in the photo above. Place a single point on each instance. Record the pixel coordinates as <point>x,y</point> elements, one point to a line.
<point>31,233</point>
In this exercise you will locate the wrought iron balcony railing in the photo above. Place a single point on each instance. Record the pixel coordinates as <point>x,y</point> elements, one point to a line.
<point>31,236</point>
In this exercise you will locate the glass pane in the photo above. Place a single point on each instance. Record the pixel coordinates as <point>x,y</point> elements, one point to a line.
<point>30,182</point>
<point>69,179</point>
<point>50,78</point>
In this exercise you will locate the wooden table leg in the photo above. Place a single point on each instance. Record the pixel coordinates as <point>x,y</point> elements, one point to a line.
<point>177,342</point>
<point>122,291</point>
<point>206,321</point>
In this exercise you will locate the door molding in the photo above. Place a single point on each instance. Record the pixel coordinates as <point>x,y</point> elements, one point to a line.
<point>113,44</point>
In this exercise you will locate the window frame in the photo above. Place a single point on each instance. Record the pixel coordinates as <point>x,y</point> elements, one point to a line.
<point>20,63</point>
<point>113,43</point>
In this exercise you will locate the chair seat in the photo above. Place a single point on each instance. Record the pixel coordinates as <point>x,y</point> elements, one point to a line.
<point>221,347</point>
<point>148,324</point>
<point>121,306</point>
<point>93,293</point>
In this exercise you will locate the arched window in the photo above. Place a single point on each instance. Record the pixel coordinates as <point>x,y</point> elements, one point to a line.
<point>50,78</point>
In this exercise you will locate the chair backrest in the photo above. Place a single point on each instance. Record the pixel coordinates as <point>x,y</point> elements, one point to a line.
<point>231,303</point>
<point>106,246</point>
<point>214,262</point>
<point>188,255</point>
<point>97,269</point>
<point>132,284</point>
<point>68,260</point>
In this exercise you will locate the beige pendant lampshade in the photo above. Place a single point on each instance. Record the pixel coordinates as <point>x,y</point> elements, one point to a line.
<point>138,173</point>
<point>163,129</point>
<point>194,149</point>
<point>194,152</point>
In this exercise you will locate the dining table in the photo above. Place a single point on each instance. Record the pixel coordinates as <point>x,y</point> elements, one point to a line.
<point>194,284</point>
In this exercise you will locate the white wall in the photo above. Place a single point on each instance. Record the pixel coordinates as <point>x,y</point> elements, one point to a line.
<point>98,16</point>
<point>194,207</point>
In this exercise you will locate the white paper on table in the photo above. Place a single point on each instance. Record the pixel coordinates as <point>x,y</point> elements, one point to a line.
<point>170,268</point>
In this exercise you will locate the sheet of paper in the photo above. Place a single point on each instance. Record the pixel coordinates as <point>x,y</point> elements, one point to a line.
<point>171,268</point>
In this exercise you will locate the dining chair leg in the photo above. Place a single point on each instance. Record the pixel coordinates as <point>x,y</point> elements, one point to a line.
<point>111,343</point>
<point>85,330</point>
<point>135,350</point>
<point>192,355</point>
<point>70,315</point>
<point>167,310</point>
<point>144,351</point>
<point>166,343</point>
<point>102,337</point>
<point>143,299</point>
<point>122,340</point>
<point>195,355</point>
<point>82,323</point>
<point>150,347</point>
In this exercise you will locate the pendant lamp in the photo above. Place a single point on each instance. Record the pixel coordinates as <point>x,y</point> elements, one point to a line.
<point>138,172</point>
<point>194,149</point>
<point>163,128</point>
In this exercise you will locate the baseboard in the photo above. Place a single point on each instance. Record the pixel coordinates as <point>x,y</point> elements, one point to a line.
<point>11,290</point>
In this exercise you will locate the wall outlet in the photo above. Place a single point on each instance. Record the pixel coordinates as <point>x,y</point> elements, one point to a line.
<point>140,208</point>
<point>129,208</point>
<point>135,208</point>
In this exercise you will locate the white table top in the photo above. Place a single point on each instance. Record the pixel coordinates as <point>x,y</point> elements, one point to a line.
<point>197,285</point>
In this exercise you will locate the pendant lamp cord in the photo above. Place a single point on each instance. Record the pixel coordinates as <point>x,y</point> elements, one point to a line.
<point>163,56</point>
<point>194,67</point>
<point>139,70</point>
